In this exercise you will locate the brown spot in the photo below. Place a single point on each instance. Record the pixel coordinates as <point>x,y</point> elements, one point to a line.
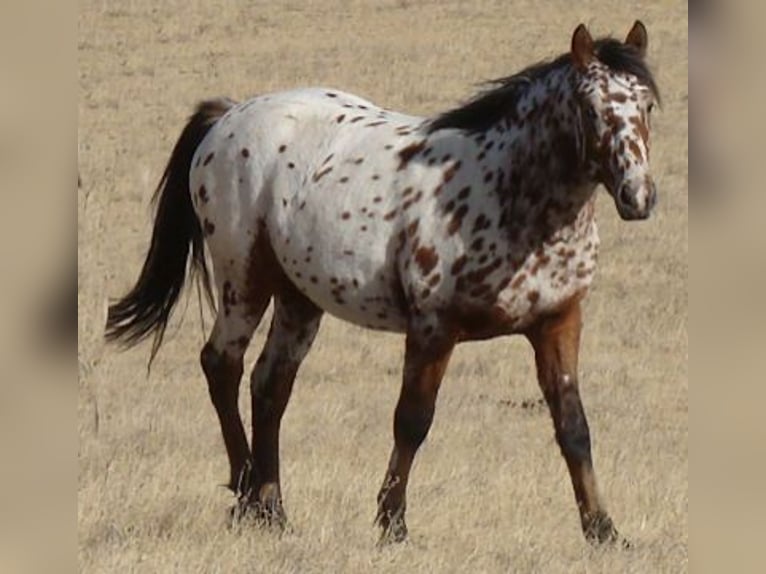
<point>412,228</point>
<point>407,153</point>
<point>375,177</point>
<point>450,172</point>
<point>340,118</point>
<point>320,174</point>
<point>477,244</point>
<point>208,227</point>
<point>291,165</point>
<point>357,119</point>
<point>519,280</point>
<point>434,281</point>
<point>463,193</point>
<point>377,123</point>
<point>203,194</point>
<point>348,252</point>
<point>426,258</point>
<point>282,148</point>
<point>533,297</point>
<point>458,265</point>
<point>245,152</point>
<point>390,215</point>
<point>345,215</point>
<point>208,159</point>
<point>457,219</point>
<point>482,222</point>
<point>343,179</point>
<point>331,95</point>
<point>377,199</point>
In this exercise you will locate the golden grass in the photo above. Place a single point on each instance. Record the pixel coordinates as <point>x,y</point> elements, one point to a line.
<point>489,491</point>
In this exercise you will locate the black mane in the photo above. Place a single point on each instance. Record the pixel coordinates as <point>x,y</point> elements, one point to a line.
<point>497,102</point>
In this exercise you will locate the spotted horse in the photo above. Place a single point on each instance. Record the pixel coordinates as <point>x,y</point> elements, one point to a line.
<point>472,224</point>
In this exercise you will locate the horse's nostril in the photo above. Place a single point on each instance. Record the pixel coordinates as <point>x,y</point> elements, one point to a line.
<point>625,197</point>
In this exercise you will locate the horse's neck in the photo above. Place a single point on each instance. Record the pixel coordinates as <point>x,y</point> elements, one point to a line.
<point>547,191</point>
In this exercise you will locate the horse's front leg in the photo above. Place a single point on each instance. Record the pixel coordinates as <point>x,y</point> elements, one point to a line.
<point>556,341</point>
<point>425,361</point>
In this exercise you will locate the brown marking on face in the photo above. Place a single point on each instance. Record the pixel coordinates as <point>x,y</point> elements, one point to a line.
<point>408,152</point>
<point>390,215</point>
<point>641,128</point>
<point>412,228</point>
<point>426,258</point>
<point>434,281</point>
<point>375,177</point>
<point>340,118</point>
<point>533,297</point>
<point>375,124</point>
<point>343,179</point>
<point>377,199</point>
<point>203,194</point>
<point>345,215</point>
<point>463,193</point>
<point>208,159</point>
<point>245,153</point>
<point>282,148</point>
<point>356,119</point>
<point>635,150</point>
<point>290,165</point>
<point>208,227</point>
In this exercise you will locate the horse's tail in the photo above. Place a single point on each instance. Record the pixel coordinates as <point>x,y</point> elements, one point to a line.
<point>147,307</point>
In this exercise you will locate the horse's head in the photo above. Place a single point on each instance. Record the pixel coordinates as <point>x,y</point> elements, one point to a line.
<point>616,94</point>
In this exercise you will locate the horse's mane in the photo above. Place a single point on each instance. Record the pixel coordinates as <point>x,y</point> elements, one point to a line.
<point>490,106</point>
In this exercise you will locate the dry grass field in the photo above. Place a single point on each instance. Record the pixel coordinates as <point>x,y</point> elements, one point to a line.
<point>489,490</point>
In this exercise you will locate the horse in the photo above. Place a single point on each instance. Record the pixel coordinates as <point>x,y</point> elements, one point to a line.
<point>468,225</point>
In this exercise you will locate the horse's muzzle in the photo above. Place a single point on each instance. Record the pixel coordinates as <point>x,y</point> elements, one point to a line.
<point>636,202</point>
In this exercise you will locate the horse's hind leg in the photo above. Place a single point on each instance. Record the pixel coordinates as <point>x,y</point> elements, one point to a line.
<point>293,327</point>
<point>222,362</point>
<point>556,342</point>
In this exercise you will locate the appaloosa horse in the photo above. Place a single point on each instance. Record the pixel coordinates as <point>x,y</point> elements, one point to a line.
<point>470,225</point>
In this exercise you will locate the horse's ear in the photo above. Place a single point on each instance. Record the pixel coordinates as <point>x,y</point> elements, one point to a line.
<point>638,38</point>
<point>582,47</point>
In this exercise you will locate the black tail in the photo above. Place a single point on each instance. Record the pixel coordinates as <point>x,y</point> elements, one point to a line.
<point>147,307</point>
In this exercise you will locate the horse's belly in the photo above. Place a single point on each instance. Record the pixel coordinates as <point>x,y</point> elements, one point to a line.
<point>355,286</point>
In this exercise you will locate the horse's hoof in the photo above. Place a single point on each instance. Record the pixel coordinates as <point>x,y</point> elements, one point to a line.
<point>260,514</point>
<point>600,531</point>
<point>393,528</point>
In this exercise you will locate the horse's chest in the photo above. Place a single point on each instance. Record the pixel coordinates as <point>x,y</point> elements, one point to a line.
<point>548,279</point>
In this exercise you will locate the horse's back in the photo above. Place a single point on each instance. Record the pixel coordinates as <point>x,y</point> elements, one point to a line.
<point>299,167</point>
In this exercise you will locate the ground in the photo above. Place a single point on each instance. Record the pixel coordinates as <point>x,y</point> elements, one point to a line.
<point>489,490</point>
